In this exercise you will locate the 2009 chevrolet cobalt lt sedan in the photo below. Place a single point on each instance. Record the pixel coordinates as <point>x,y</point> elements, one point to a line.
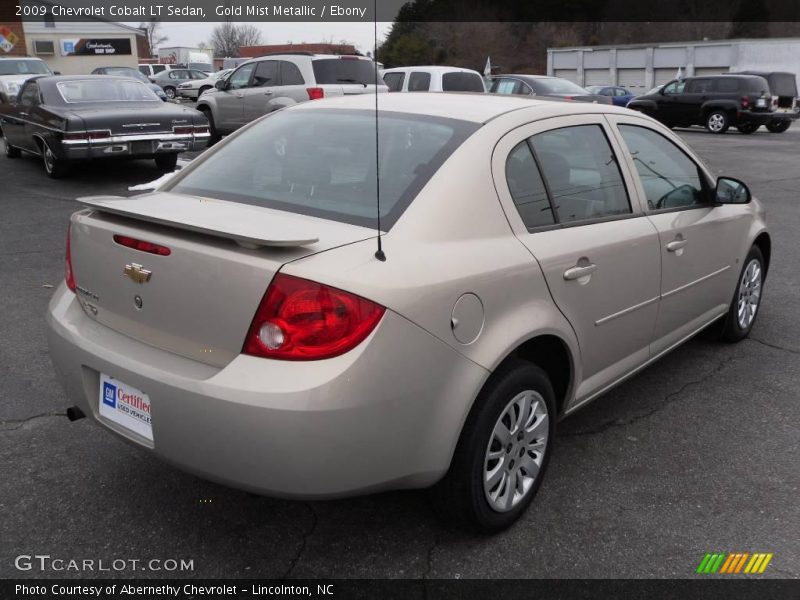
<point>239,322</point>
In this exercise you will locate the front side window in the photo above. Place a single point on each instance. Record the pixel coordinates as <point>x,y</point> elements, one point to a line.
<point>676,87</point>
<point>266,74</point>
<point>582,173</point>
<point>699,86</point>
<point>394,81</point>
<point>241,78</point>
<point>669,177</point>
<point>419,81</point>
<point>527,188</point>
<point>158,68</point>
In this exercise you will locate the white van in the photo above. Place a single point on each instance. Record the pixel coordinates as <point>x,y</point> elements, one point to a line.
<point>433,79</point>
<point>153,69</point>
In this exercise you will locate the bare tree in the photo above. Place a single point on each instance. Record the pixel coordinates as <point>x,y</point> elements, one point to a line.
<point>227,38</point>
<point>153,35</point>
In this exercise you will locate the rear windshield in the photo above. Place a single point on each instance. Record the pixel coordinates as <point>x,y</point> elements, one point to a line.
<point>322,163</point>
<point>105,90</point>
<point>462,82</point>
<point>782,84</point>
<point>344,70</point>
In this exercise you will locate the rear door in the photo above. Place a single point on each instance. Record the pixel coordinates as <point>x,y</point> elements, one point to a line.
<point>699,242</point>
<point>568,201</point>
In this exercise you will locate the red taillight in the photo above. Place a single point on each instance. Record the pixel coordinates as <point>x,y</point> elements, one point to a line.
<point>183,130</point>
<point>69,276</point>
<point>745,102</point>
<point>201,129</point>
<point>316,93</point>
<point>150,247</point>
<point>300,319</point>
<point>98,135</point>
<point>76,136</point>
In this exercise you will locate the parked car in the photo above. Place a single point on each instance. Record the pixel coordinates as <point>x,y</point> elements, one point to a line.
<point>195,88</point>
<point>14,71</point>
<point>151,70</point>
<point>133,74</point>
<point>77,117</point>
<point>171,79</point>
<point>543,86</point>
<point>784,86</point>
<point>275,81</point>
<point>619,95</point>
<point>715,101</point>
<point>433,79</point>
<point>239,323</point>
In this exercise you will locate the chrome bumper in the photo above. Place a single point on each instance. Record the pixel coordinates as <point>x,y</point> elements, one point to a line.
<point>134,145</point>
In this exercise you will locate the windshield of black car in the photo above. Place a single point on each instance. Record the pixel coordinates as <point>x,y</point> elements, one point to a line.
<point>105,90</point>
<point>462,81</point>
<point>322,163</point>
<point>558,86</point>
<point>344,71</point>
<point>126,72</point>
<point>23,67</point>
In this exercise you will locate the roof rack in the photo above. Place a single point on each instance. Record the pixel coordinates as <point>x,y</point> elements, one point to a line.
<point>294,53</point>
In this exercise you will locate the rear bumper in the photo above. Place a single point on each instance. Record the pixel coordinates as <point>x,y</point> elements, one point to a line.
<point>134,145</point>
<point>762,118</point>
<point>386,415</point>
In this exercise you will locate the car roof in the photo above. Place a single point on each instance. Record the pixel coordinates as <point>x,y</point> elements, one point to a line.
<point>434,68</point>
<point>465,106</point>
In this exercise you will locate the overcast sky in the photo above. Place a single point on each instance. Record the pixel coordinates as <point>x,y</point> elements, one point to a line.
<point>359,34</point>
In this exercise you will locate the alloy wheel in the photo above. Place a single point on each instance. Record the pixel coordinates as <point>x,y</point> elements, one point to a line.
<point>49,159</point>
<point>515,451</point>
<point>749,294</point>
<point>716,122</point>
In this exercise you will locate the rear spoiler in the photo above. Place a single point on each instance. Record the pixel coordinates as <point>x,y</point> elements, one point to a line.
<point>249,226</point>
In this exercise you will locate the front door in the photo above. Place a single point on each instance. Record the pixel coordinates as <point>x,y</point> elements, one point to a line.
<point>259,96</point>
<point>230,102</point>
<point>598,252</point>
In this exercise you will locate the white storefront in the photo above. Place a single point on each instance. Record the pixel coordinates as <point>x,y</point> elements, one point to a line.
<point>640,67</point>
<point>76,48</point>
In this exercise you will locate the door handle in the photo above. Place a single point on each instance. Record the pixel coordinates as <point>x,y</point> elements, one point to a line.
<point>676,245</point>
<point>22,114</point>
<point>577,272</point>
<point>240,96</point>
<point>268,93</point>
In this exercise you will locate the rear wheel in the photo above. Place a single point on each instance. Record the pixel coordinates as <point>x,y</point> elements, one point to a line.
<point>779,126</point>
<point>502,453</point>
<point>717,121</point>
<point>747,128</point>
<point>55,167</point>
<point>166,163</point>
<point>746,299</point>
<point>214,137</point>
<point>11,152</point>
<point>169,91</point>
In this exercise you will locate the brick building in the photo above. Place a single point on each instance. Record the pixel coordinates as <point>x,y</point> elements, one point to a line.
<point>12,34</point>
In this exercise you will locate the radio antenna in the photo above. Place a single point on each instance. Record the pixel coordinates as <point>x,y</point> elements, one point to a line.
<point>379,252</point>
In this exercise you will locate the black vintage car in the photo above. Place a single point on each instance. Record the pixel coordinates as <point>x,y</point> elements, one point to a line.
<point>715,101</point>
<point>78,117</point>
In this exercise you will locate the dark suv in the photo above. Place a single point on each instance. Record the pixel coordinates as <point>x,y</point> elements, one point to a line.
<point>716,101</point>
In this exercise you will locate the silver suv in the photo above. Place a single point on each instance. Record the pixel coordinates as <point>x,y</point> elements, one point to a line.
<point>275,81</point>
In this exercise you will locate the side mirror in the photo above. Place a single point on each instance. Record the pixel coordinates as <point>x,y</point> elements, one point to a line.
<point>221,85</point>
<point>731,191</point>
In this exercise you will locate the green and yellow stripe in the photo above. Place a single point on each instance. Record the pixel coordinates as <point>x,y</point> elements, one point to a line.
<point>734,563</point>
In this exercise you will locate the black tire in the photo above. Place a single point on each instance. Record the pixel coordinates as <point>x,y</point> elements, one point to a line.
<point>166,163</point>
<point>732,330</point>
<point>459,498</point>
<point>747,128</point>
<point>717,121</point>
<point>11,152</point>
<point>169,92</point>
<point>212,129</point>
<point>56,168</point>
<point>779,126</point>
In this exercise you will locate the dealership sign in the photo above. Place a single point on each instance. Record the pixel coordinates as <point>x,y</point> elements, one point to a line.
<point>7,39</point>
<point>90,47</point>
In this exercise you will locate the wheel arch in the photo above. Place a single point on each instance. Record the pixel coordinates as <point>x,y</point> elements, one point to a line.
<point>764,243</point>
<point>728,106</point>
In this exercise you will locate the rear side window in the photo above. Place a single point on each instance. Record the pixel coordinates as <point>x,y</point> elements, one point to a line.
<point>698,86</point>
<point>158,68</point>
<point>266,73</point>
<point>504,86</point>
<point>725,84</point>
<point>581,172</point>
<point>419,81</point>
<point>290,74</point>
<point>669,177</point>
<point>343,71</point>
<point>144,70</point>
<point>394,81</point>
<point>322,163</point>
<point>527,188</point>
<point>462,82</point>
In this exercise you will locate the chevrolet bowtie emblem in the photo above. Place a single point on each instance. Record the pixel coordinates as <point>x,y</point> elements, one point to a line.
<point>137,273</point>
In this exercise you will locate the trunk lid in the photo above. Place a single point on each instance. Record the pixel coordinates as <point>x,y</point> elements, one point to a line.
<point>136,118</point>
<point>199,300</point>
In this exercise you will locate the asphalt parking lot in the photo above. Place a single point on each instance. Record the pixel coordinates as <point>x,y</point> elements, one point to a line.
<point>697,454</point>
